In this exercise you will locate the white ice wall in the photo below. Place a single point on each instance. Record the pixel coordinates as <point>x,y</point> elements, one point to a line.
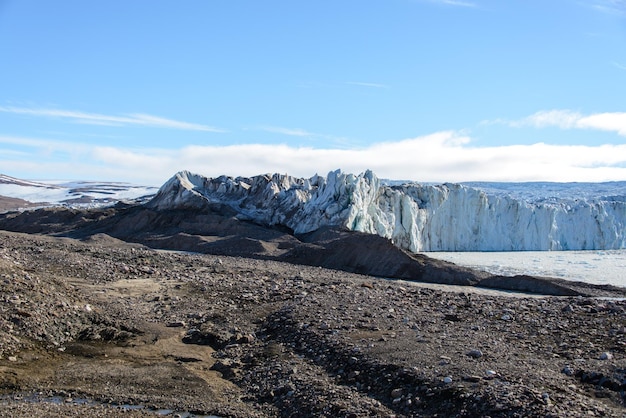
<point>448,217</point>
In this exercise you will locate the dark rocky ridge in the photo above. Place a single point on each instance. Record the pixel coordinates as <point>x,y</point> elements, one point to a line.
<point>214,229</point>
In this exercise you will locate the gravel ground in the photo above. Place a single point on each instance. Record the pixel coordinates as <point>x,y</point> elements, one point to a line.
<point>105,328</point>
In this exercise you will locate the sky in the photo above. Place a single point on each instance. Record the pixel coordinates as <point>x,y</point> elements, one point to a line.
<point>424,90</point>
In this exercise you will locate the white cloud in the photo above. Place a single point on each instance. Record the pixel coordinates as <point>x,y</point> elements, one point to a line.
<point>99,119</point>
<point>564,119</point>
<point>567,119</point>
<point>440,157</point>
<point>614,122</point>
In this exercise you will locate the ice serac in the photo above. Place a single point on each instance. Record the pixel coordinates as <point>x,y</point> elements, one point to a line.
<point>416,217</point>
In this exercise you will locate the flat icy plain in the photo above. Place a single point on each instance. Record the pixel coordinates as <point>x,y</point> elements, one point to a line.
<point>595,267</point>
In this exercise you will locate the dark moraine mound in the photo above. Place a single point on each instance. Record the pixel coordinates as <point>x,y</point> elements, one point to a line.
<point>214,230</point>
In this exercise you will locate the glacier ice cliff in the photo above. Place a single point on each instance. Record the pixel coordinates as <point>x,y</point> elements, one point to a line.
<point>416,217</point>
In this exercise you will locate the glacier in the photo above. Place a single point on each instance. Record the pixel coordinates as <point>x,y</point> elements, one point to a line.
<point>414,216</point>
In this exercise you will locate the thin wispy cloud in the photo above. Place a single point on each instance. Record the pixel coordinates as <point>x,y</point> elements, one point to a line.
<point>618,65</point>
<point>363,84</point>
<point>455,3</point>
<point>341,142</point>
<point>285,131</point>
<point>140,119</point>
<point>44,144</point>
<point>614,7</point>
<point>568,119</point>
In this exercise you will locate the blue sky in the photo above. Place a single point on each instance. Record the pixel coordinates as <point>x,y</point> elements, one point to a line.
<point>427,90</point>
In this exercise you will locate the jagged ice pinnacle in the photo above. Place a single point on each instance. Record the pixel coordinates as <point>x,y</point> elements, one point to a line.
<point>416,217</point>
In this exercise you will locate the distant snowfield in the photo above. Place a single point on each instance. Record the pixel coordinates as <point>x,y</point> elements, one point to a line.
<point>596,267</point>
<point>74,193</point>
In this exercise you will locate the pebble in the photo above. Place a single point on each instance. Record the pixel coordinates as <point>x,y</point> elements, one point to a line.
<point>396,393</point>
<point>475,353</point>
<point>606,356</point>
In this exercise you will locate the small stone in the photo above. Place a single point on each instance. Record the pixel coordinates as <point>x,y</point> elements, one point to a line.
<point>606,356</point>
<point>506,317</point>
<point>12,358</point>
<point>246,339</point>
<point>147,270</point>
<point>396,393</point>
<point>568,371</point>
<point>475,353</point>
<point>224,367</point>
<point>353,374</point>
<point>447,380</point>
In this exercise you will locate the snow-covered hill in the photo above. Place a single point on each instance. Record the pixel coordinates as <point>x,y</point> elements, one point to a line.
<point>78,193</point>
<point>419,217</point>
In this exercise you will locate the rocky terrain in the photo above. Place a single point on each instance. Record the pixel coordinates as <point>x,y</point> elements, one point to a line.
<point>102,327</point>
<point>137,310</point>
<point>215,230</point>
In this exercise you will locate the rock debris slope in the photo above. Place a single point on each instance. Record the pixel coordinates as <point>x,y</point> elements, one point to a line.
<point>212,230</point>
<point>416,217</point>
